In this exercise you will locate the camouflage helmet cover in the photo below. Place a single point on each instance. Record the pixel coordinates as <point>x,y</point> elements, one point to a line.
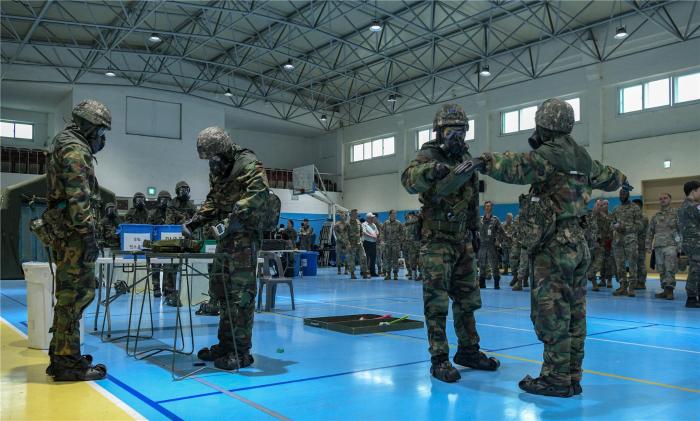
<point>213,141</point>
<point>164,193</point>
<point>95,112</point>
<point>139,194</point>
<point>181,184</point>
<point>450,115</point>
<point>556,115</point>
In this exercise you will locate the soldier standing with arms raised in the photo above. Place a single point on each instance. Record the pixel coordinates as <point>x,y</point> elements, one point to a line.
<point>450,219</point>
<point>73,194</point>
<point>561,174</point>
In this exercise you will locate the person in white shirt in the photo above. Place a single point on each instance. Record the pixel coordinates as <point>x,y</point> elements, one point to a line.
<point>370,235</point>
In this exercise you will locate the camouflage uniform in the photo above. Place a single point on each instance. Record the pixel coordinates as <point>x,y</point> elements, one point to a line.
<point>305,233</point>
<point>507,231</point>
<point>603,259</point>
<point>291,235</point>
<point>450,214</point>
<point>108,230</point>
<point>689,225</point>
<point>157,217</point>
<point>393,234</point>
<point>591,234</point>
<point>641,254</point>
<point>489,233</point>
<point>179,209</point>
<point>515,250</point>
<point>73,192</point>
<point>411,246</point>
<point>628,218</point>
<point>355,251</point>
<point>341,244</point>
<point>137,215</point>
<point>240,194</point>
<point>663,234</point>
<point>523,269</point>
<point>562,174</point>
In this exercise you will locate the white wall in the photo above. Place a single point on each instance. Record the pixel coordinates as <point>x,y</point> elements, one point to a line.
<point>633,142</point>
<point>276,150</point>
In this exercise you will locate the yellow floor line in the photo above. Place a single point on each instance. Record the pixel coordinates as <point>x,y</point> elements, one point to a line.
<point>29,394</point>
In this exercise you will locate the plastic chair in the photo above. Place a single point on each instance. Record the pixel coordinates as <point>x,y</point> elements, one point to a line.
<point>265,279</point>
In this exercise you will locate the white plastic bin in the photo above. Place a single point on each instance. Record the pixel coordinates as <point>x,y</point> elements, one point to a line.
<point>40,304</point>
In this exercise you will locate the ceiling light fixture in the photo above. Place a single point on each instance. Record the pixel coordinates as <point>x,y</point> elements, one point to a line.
<point>324,118</point>
<point>110,73</point>
<point>228,93</point>
<point>621,32</point>
<point>375,26</point>
<point>288,65</point>
<point>484,71</point>
<point>667,163</point>
<point>155,38</point>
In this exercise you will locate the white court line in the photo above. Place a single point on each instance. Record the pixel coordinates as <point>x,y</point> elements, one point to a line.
<point>102,391</point>
<point>506,327</point>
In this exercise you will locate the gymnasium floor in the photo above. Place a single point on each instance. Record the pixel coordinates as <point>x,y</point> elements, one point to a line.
<point>642,362</point>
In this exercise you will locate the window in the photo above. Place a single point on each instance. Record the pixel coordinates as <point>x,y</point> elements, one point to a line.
<point>426,135</point>
<point>576,105</point>
<point>12,130</point>
<point>372,149</point>
<point>687,88</point>
<point>658,93</point>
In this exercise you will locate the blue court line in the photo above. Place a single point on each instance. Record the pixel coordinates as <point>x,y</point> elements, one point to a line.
<point>634,321</point>
<point>143,398</point>
<point>12,299</point>
<point>325,376</point>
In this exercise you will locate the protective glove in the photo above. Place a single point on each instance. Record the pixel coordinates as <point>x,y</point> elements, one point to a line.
<point>189,226</point>
<point>441,171</point>
<point>626,186</point>
<point>91,249</point>
<point>467,167</point>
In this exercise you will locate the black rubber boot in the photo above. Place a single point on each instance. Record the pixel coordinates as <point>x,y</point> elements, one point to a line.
<point>482,282</point>
<point>211,354</point>
<point>692,302</point>
<point>476,360</point>
<point>229,361</point>
<point>540,386</point>
<point>156,292</point>
<point>64,370</point>
<point>121,287</point>
<point>497,282</point>
<point>208,308</point>
<point>514,280</point>
<point>173,299</point>
<point>445,372</point>
<point>577,387</point>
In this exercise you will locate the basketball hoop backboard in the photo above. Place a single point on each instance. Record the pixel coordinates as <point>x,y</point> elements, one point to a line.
<point>303,180</point>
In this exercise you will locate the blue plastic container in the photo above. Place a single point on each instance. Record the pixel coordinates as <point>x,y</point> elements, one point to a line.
<point>131,236</point>
<point>309,263</point>
<point>166,232</point>
<point>297,264</point>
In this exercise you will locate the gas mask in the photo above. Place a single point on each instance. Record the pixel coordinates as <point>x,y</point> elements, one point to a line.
<point>183,193</point>
<point>219,166</point>
<point>139,202</point>
<point>541,135</point>
<point>535,140</point>
<point>163,202</point>
<point>111,213</point>
<point>453,140</point>
<point>97,139</point>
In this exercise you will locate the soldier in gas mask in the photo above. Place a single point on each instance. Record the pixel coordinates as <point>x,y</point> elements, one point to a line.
<point>181,208</point>
<point>73,194</point>
<point>157,217</point>
<point>561,175</point>
<point>450,219</point>
<point>108,227</point>
<point>138,214</point>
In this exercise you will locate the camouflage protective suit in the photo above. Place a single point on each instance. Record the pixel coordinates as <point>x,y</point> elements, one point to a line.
<point>341,244</point>
<point>507,231</point>
<point>515,247</point>
<point>411,246</point>
<point>489,234</point>
<point>627,217</point>
<point>641,254</point>
<point>241,196</point>
<point>663,234</point>
<point>355,251</point>
<point>179,211</point>
<point>689,224</point>
<point>108,231</point>
<point>393,233</point>
<point>73,188</point>
<point>562,171</point>
<point>450,214</point>
<point>603,259</point>
<point>305,233</point>
<point>137,215</point>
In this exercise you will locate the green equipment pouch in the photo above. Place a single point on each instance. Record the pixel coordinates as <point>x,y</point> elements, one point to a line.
<point>538,221</point>
<point>176,245</point>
